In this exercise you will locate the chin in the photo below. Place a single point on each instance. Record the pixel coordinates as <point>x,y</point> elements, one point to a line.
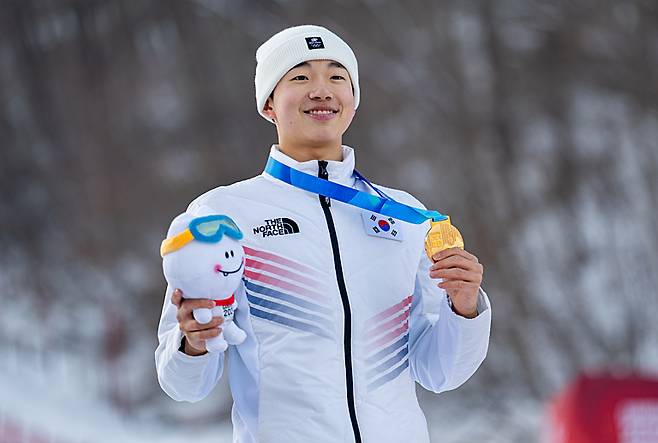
<point>321,142</point>
<point>323,137</point>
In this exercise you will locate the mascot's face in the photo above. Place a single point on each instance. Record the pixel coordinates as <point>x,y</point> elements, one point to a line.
<point>228,260</point>
<point>204,269</point>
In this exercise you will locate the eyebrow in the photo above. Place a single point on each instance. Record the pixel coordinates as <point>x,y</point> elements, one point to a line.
<point>331,65</point>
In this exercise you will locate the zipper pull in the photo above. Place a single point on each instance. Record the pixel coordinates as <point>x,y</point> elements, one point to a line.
<point>324,174</point>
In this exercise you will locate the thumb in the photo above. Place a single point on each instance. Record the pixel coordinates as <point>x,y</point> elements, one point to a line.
<point>177,297</point>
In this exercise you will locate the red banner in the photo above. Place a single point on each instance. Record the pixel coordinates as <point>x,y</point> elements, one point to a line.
<point>604,409</point>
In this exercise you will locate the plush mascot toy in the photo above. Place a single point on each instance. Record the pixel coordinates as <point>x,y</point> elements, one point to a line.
<point>202,257</point>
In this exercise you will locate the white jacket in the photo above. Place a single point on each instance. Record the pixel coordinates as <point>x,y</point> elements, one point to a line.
<point>340,322</point>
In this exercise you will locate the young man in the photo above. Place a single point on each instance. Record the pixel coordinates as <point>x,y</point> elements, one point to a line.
<point>343,310</point>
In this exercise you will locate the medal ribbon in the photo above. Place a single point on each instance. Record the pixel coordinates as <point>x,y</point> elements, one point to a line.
<point>381,204</point>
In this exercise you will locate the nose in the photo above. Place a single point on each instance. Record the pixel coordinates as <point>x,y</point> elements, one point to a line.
<point>320,91</point>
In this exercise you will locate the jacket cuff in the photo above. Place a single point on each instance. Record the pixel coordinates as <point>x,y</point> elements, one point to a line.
<point>483,305</point>
<point>180,355</point>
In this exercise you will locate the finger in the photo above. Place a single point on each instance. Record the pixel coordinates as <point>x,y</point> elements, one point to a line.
<point>198,338</point>
<point>190,304</point>
<point>454,251</point>
<point>177,297</point>
<point>457,274</point>
<point>191,325</point>
<point>457,261</point>
<point>187,306</point>
<point>455,285</point>
<point>445,253</point>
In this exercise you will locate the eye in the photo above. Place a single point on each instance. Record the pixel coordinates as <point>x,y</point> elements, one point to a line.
<point>337,77</point>
<point>226,254</point>
<point>299,77</point>
<point>232,255</point>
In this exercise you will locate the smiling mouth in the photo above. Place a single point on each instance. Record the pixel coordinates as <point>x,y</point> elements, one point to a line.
<point>226,273</point>
<point>323,115</point>
<point>321,112</point>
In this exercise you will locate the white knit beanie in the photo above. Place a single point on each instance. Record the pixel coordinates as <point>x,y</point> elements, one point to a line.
<point>295,45</point>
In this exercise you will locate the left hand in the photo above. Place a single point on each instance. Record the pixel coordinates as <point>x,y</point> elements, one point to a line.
<point>462,274</point>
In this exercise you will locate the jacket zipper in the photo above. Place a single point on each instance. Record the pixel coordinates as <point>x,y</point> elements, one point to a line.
<point>325,202</point>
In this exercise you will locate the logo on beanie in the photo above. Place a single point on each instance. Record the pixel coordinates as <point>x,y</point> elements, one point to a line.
<point>314,43</point>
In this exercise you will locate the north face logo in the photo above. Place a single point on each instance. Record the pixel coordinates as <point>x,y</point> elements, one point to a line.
<point>277,226</point>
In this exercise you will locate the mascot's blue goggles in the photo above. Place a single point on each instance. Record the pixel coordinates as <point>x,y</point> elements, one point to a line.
<point>207,229</point>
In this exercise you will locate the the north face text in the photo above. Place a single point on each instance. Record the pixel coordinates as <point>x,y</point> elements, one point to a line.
<point>277,226</point>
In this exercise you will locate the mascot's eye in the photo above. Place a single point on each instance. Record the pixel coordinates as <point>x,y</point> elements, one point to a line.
<point>226,254</point>
<point>232,253</point>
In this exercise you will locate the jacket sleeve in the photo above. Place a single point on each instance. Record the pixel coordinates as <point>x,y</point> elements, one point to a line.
<point>183,377</point>
<point>445,349</point>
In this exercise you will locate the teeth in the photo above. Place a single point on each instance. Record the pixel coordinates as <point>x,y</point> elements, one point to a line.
<point>320,112</point>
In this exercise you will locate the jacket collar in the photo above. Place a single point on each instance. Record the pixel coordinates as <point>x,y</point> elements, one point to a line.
<point>339,171</point>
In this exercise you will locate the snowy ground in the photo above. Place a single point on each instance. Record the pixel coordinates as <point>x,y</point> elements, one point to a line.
<point>60,397</point>
<point>453,419</point>
<point>34,411</point>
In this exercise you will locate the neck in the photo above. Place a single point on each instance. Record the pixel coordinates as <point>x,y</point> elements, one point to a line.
<point>306,153</point>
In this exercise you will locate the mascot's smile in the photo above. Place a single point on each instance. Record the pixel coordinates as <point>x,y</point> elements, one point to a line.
<point>226,273</point>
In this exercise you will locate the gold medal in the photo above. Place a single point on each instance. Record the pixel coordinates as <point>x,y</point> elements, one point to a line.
<point>442,235</point>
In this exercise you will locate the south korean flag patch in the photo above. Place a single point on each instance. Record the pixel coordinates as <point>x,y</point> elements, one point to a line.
<point>381,226</point>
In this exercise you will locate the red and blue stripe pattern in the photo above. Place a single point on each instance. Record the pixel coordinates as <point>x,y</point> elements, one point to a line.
<point>286,292</point>
<point>386,340</point>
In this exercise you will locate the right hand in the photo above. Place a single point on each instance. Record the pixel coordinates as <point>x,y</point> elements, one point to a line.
<point>195,333</point>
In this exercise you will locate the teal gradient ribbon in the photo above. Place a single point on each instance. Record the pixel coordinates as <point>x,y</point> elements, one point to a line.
<point>381,204</point>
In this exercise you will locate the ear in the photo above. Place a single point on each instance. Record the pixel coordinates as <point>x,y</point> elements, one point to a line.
<point>268,110</point>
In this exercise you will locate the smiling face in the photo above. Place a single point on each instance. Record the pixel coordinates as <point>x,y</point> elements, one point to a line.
<point>223,266</point>
<point>228,259</point>
<point>312,105</point>
<point>206,270</point>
